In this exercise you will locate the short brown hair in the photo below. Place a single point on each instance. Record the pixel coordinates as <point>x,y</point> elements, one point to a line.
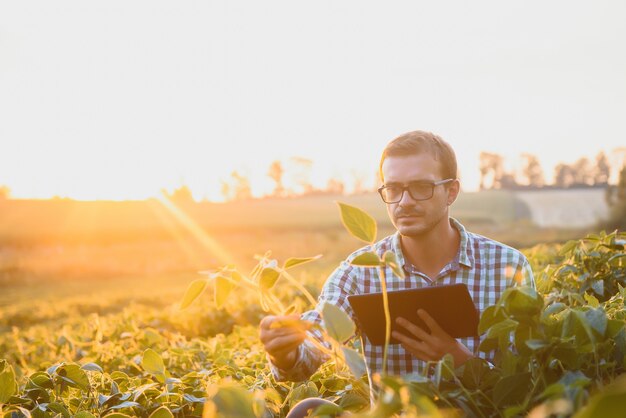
<point>418,142</point>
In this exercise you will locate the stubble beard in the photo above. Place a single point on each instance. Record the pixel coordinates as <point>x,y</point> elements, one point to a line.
<point>422,226</point>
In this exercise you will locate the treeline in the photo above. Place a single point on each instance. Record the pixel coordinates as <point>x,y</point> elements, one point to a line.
<point>582,173</point>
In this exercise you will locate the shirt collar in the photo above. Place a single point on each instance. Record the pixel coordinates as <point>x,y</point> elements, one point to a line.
<point>464,257</point>
<point>466,252</point>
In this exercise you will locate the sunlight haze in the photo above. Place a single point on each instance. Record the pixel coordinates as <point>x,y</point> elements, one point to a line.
<point>118,100</point>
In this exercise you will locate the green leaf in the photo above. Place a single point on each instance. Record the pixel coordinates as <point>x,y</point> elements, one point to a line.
<point>337,323</point>
<point>568,247</point>
<point>153,364</point>
<point>231,401</point>
<point>614,326</point>
<point>84,414</point>
<point>116,415</point>
<point>141,389</point>
<point>125,404</point>
<point>59,409</point>
<point>522,301</point>
<point>327,410</point>
<point>269,277</point>
<point>607,403</point>
<point>597,320</point>
<point>488,344</point>
<point>8,385</point>
<point>502,328</point>
<point>162,412</point>
<point>292,262</point>
<point>92,367</point>
<point>554,308</point>
<point>40,380</point>
<point>474,371</point>
<point>194,290</point>
<point>368,259</point>
<point>514,411</point>
<point>358,223</point>
<point>576,323</point>
<point>535,345</point>
<point>355,362</point>
<point>591,300</point>
<point>74,375</point>
<point>512,390</point>
<point>391,260</point>
<point>490,316</point>
<point>523,333</point>
<point>598,287</point>
<point>223,289</point>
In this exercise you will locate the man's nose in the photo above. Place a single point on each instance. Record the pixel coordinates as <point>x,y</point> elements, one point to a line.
<point>406,199</point>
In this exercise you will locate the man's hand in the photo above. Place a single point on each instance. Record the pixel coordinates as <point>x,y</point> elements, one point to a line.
<point>433,346</point>
<point>281,336</point>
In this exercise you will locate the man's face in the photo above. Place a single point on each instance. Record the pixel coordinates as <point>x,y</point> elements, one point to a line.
<point>411,217</point>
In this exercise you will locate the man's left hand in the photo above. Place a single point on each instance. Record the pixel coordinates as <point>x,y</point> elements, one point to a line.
<point>433,346</point>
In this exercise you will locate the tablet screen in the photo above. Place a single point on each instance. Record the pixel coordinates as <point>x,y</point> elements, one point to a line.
<point>450,305</point>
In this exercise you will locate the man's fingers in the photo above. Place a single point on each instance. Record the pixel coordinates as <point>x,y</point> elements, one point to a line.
<point>417,348</point>
<point>283,344</point>
<point>430,322</point>
<point>267,335</point>
<point>267,321</point>
<point>413,329</point>
<point>270,321</point>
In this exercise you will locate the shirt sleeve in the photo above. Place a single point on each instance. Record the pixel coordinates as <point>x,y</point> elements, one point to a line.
<point>336,290</point>
<point>526,274</point>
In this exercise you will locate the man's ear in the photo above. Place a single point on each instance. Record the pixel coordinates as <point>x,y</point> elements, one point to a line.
<point>454,188</point>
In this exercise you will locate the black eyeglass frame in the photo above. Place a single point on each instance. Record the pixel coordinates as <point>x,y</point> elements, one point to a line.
<point>432,185</point>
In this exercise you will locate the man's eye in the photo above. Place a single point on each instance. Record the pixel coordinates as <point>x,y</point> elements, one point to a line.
<point>420,186</point>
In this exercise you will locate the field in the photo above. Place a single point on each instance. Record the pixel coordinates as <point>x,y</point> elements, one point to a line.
<point>90,323</point>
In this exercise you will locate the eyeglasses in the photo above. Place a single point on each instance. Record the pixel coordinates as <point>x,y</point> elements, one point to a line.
<point>418,190</point>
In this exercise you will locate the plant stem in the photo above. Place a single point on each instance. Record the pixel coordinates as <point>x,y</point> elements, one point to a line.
<point>299,286</point>
<point>383,285</point>
<point>464,390</point>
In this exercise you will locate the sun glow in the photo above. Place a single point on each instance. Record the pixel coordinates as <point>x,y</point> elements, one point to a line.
<point>180,218</point>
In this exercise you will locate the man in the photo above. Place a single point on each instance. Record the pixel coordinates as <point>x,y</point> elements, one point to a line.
<point>419,174</point>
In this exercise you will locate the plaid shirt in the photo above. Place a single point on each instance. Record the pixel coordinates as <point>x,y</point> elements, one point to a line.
<point>487,267</point>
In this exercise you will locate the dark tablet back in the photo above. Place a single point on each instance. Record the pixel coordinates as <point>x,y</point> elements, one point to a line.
<point>450,305</point>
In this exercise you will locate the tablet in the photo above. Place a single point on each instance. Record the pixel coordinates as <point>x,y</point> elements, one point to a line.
<point>450,305</point>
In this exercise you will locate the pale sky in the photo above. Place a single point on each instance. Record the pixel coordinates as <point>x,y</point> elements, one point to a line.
<point>118,99</point>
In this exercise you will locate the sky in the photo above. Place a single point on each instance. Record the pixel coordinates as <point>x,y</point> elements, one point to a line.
<point>120,99</point>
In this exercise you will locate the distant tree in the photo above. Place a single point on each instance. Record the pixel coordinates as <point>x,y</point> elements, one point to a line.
<point>507,181</point>
<point>491,167</point>
<point>335,186</point>
<point>617,158</point>
<point>602,170</point>
<point>241,186</point>
<point>276,173</point>
<point>582,172</point>
<point>300,172</point>
<point>563,175</point>
<point>226,191</point>
<point>532,171</point>
<point>237,187</point>
<point>616,197</point>
<point>5,192</point>
<point>358,181</point>
<point>181,195</point>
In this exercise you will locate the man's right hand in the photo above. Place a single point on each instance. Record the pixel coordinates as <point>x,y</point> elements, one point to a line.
<point>281,336</point>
